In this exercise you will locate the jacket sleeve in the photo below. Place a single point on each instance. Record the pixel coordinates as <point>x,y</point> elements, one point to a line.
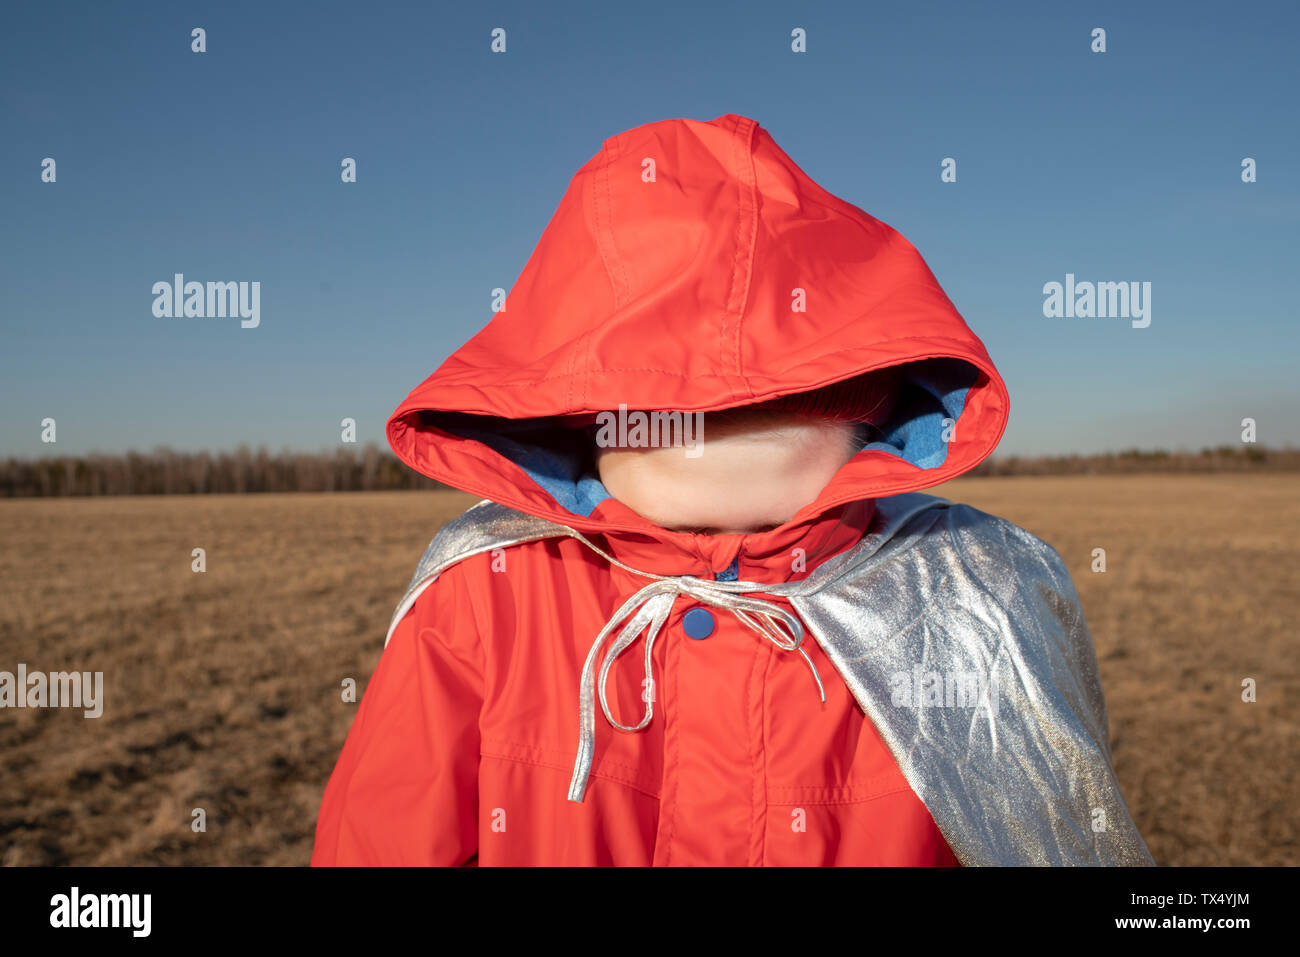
<point>405,788</point>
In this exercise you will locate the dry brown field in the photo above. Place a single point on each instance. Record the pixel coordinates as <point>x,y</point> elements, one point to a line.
<point>222,689</point>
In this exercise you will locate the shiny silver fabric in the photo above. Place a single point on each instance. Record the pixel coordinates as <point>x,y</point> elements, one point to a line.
<point>963,640</point>
<point>485,527</point>
<point>950,594</point>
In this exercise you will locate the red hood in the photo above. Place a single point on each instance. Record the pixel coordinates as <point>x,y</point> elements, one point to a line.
<point>676,294</point>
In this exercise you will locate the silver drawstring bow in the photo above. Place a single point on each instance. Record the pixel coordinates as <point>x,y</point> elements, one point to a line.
<point>649,608</point>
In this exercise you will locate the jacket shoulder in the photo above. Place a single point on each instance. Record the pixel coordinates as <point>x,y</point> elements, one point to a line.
<point>997,539</point>
<point>1026,580</point>
<point>991,550</point>
<point>484,527</point>
<point>997,546</point>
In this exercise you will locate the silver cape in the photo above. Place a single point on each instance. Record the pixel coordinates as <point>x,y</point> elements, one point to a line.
<point>962,638</point>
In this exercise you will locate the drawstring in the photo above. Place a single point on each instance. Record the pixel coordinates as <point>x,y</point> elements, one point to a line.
<point>649,608</point>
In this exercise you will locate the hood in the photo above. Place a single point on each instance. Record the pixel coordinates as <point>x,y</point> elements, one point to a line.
<point>691,266</point>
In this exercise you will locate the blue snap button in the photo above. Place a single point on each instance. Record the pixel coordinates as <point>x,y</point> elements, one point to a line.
<point>698,623</point>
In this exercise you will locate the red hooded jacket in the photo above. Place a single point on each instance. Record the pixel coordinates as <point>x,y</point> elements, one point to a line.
<point>690,266</point>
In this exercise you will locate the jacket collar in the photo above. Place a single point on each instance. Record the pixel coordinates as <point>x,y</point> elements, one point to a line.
<point>787,553</point>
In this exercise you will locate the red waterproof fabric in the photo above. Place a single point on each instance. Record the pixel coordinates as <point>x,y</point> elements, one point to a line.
<point>671,291</point>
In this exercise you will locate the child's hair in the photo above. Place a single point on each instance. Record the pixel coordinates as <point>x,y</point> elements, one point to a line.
<point>868,398</point>
<point>858,406</point>
<point>759,421</point>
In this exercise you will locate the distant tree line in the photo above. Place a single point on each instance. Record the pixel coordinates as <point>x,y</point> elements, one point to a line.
<point>167,472</point>
<point>1225,458</point>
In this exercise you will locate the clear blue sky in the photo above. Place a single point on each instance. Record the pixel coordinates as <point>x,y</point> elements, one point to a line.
<point>225,166</point>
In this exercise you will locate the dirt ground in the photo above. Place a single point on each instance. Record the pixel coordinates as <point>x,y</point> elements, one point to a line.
<point>222,690</point>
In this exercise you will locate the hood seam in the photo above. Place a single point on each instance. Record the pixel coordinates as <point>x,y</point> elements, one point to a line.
<point>742,165</point>
<point>601,212</point>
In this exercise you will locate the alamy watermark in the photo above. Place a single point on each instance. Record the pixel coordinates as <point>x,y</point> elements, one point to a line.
<point>57,689</point>
<point>1098,300</point>
<point>214,300</point>
<point>130,911</point>
<point>944,689</point>
<point>637,429</point>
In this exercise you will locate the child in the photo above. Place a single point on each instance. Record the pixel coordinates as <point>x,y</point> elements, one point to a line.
<point>832,668</point>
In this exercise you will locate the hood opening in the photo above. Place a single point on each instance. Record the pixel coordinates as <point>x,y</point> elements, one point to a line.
<point>560,458</point>
<point>929,403</point>
<point>558,452</point>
